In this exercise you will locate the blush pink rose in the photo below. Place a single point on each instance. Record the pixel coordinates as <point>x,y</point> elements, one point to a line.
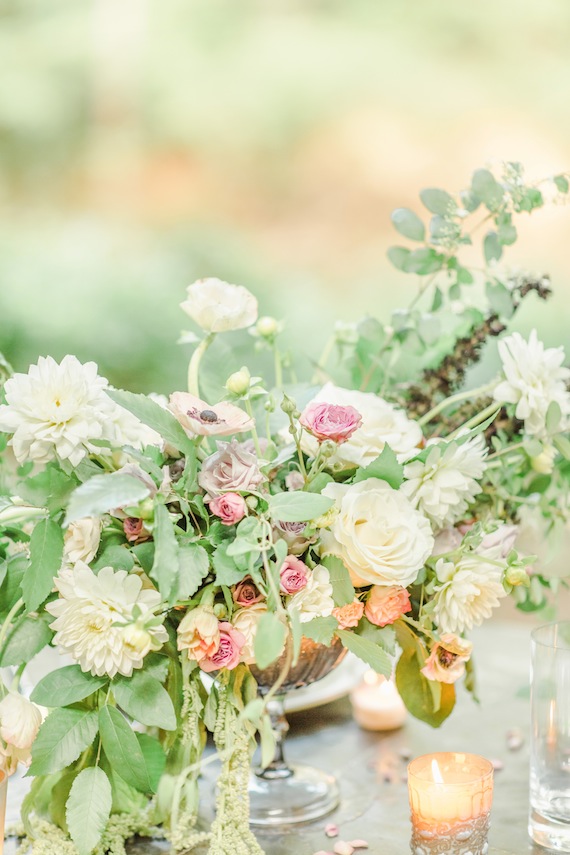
<point>229,649</point>
<point>349,615</point>
<point>246,593</point>
<point>230,469</point>
<point>294,574</point>
<point>386,604</point>
<point>229,507</point>
<point>330,421</point>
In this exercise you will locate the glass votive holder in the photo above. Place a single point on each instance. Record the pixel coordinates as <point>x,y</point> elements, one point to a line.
<point>450,799</point>
<point>3,789</point>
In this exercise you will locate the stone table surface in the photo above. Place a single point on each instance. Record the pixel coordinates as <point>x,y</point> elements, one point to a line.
<point>375,808</point>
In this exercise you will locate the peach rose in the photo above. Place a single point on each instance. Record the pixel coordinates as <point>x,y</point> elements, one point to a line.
<point>199,633</point>
<point>386,604</point>
<point>349,615</point>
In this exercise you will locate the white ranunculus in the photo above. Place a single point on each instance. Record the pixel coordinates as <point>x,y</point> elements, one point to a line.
<point>246,621</point>
<point>81,540</point>
<point>315,599</point>
<point>55,410</point>
<point>217,306</point>
<point>444,485</point>
<point>380,537</point>
<point>534,377</point>
<point>467,593</point>
<point>94,616</point>
<point>20,721</point>
<point>382,424</point>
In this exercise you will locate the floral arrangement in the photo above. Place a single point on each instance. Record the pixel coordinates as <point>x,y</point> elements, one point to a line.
<point>152,540</point>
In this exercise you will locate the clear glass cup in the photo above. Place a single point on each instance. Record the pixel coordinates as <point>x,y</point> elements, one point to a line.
<point>549,818</point>
<point>3,788</point>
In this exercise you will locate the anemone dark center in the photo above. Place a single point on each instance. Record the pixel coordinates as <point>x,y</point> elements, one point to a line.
<point>208,416</point>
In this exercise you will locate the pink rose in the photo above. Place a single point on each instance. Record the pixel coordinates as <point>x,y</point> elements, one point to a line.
<point>230,469</point>
<point>201,419</point>
<point>294,480</point>
<point>292,534</point>
<point>228,652</point>
<point>446,662</point>
<point>294,574</point>
<point>330,421</point>
<point>386,604</point>
<point>229,507</point>
<point>349,615</point>
<point>246,593</point>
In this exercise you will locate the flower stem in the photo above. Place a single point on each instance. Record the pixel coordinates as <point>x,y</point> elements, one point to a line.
<point>6,626</point>
<point>194,366</point>
<point>249,410</point>
<point>454,399</point>
<point>278,367</point>
<point>476,420</point>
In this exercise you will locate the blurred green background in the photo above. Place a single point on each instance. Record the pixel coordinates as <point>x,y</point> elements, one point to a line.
<point>145,143</point>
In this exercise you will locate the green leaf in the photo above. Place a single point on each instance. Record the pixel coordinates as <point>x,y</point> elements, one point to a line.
<point>366,650</point>
<point>298,506</point>
<point>165,565</point>
<point>492,248</point>
<point>103,493</point>
<point>117,557</point>
<point>145,700</point>
<point>63,736</point>
<point>144,553</point>
<point>269,640</point>
<point>485,187</point>
<point>343,589</point>
<point>89,808</point>
<point>561,183</point>
<point>408,224</point>
<point>46,553</point>
<point>562,443</point>
<point>66,686</point>
<point>154,757</point>
<point>24,640</point>
<point>320,629</point>
<point>59,796</point>
<point>398,255</point>
<point>385,467</point>
<point>438,201</point>
<point>424,261</point>
<point>48,489</point>
<point>194,566</point>
<point>123,750</point>
<point>500,299</point>
<point>417,694</point>
<point>229,570</point>
<point>153,415</point>
<point>10,590</point>
<point>37,800</point>
<point>553,417</point>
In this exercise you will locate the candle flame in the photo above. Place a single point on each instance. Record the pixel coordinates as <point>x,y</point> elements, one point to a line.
<point>551,736</point>
<point>436,773</point>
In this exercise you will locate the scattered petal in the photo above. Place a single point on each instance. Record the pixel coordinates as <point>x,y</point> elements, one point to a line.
<point>331,830</point>
<point>515,739</point>
<point>359,844</point>
<point>343,848</point>
<point>498,765</point>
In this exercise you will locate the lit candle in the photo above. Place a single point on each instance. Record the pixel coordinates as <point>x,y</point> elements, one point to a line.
<point>450,799</point>
<point>376,703</point>
<point>3,787</point>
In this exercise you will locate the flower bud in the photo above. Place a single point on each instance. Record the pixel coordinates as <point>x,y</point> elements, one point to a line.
<point>328,448</point>
<point>220,611</point>
<point>267,327</point>
<point>146,509</point>
<point>137,638</point>
<point>238,382</point>
<point>252,502</point>
<point>517,576</point>
<point>326,519</point>
<point>544,462</point>
<point>288,406</point>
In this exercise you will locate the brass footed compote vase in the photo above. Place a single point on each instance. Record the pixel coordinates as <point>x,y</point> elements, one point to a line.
<point>284,793</point>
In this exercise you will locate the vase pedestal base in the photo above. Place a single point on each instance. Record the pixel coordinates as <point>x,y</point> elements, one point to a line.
<point>291,795</point>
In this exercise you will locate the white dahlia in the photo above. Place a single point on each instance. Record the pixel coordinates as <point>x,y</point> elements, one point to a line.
<point>95,621</point>
<point>447,481</point>
<point>54,410</point>
<point>379,536</point>
<point>381,423</point>
<point>467,593</point>
<point>534,377</point>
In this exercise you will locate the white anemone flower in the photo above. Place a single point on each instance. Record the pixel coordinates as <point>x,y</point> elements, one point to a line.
<point>218,306</point>
<point>95,617</point>
<point>467,593</point>
<point>54,410</point>
<point>443,486</point>
<point>534,378</point>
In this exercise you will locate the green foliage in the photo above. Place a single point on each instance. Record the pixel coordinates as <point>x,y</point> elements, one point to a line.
<point>63,736</point>
<point>144,698</point>
<point>48,489</point>
<point>27,637</point>
<point>193,567</point>
<point>343,589</point>
<point>123,749</point>
<point>320,629</point>
<point>427,700</point>
<point>269,639</point>
<point>408,224</point>
<point>88,808</point>
<point>66,686</point>
<point>386,467</point>
<point>165,565</point>
<point>366,650</point>
<point>103,493</point>
<point>298,506</point>
<point>46,552</point>
<point>156,417</point>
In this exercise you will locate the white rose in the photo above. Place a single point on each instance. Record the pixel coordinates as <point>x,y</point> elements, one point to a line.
<point>246,621</point>
<point>217,306</point>
<point>81,540</point>
<point>315,599</point>
<point>381,423</point>
<point>377,533</point>
<point>20,721</point>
